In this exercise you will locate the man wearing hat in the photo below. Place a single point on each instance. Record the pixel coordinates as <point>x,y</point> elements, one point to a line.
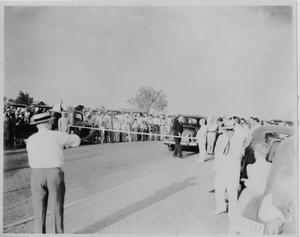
<point>57,109</point>
<point>177,131</point>
<point>220,167</point>
<point>63,123</point>
<point>212,128</point>
<point>46,159</point>
<point>201,140</point>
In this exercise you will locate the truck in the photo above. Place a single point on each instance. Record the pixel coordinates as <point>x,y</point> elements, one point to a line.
<point>84,130</point>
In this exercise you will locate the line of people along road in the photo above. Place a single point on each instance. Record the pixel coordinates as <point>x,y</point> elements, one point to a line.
<point>17,124</point>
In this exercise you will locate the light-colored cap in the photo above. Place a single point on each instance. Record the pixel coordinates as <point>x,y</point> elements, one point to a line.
<point>40,118</point>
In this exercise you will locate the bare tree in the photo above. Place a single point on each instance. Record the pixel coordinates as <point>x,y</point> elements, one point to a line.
<point>147,99</point>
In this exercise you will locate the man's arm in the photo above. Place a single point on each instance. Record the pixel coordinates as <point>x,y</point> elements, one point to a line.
<point>59,124</point>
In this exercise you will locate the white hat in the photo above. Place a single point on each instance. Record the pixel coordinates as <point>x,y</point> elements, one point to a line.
<point>40,118</point>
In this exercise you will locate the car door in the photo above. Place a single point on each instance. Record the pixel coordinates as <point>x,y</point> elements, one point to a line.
<point>77,121</point>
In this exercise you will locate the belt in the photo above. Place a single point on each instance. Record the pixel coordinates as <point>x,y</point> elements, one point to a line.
<point>212,131</point>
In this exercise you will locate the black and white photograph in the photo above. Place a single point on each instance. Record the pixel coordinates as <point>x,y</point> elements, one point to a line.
<point>156,118</point>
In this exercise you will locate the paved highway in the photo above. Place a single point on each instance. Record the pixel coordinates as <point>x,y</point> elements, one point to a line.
<point>123,188</point>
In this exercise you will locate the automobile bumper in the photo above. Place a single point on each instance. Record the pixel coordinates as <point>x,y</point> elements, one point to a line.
<point>182,143</point>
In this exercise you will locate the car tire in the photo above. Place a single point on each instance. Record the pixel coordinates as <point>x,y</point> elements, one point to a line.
<point>96,138</point>
<point>171,148</point>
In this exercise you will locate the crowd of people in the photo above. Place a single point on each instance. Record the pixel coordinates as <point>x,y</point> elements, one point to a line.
<point>135,124</point>
<point>227,140</point>
<point>16,123</point>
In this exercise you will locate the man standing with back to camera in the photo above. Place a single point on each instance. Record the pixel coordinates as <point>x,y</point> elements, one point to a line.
<point>46,159</point>
<point>177,131</point>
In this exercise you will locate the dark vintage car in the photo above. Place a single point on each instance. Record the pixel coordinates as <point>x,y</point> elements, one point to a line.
<point>87,135</point>
<point>190,128</point>
<point>274,212</point>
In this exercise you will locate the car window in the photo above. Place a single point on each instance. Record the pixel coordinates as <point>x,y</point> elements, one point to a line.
<point>190,121</point>
<point>78,117</point>
<point>275,136</point>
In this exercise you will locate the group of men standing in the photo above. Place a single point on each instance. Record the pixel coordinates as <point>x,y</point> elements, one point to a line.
<point>133,123</point>
<point>226,140</point>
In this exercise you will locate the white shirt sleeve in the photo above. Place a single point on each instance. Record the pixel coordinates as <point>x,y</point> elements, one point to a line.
<point>198,134</point>
<point>68,140</point>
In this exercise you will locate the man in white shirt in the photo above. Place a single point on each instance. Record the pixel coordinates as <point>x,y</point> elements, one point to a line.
<point>228,169</point>
<point>46,159</point>
<point>57,109</point>
<point>220,170</point>
<point>63,123</point>
<point>116,126</point>
<point>156,125</point>
<point>201,140</point>
<point>139,125</point>
<point>100,123</point>
<point>232,166</point>
<point>212,128</point>
<point>127,127</point>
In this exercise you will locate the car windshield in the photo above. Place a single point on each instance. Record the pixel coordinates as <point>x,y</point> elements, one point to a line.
<point>190,121</point>
<point>78,117</point>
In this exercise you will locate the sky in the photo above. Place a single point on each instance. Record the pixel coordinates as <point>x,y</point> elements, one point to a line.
<point>231,60</point>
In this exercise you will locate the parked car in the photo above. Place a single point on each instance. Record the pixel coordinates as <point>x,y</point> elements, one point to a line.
<point>87,135</point>
<point>272,135</point>
<point>274,212</point>
<point>190,128</point>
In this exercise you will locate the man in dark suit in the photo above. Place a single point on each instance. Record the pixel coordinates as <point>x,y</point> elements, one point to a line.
<point>177,128</point>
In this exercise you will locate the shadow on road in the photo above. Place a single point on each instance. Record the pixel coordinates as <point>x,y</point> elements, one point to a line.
<point>158,196</point>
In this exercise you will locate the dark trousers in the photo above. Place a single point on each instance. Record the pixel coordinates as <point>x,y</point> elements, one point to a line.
<point>144,136</point>
<point>177,149</point>
<point>56,116</point>
<point>112,136</point>
<point>139,136</point>
<point>107,136</point>
<point>116,136</point>
<point>156,131</point>
<point>47,184</point>
<point>124,137</point>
